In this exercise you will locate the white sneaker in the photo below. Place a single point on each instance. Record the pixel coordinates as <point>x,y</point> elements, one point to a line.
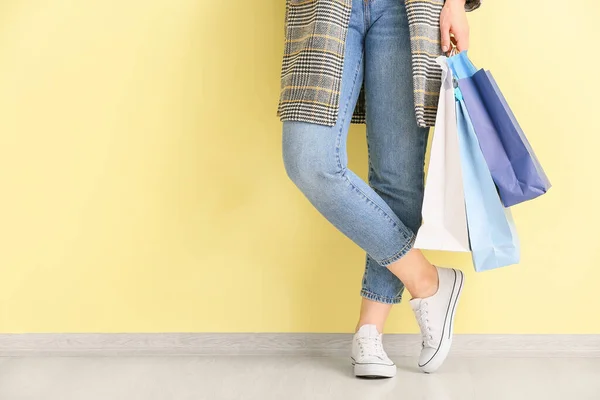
<point>368,357</point>
<point>435,315</point>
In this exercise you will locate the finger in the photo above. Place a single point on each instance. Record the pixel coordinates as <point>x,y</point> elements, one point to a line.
<point>445,31</point>
<point>461,41</point>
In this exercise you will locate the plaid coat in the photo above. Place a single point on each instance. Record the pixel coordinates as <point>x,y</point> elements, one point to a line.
<point>311,72</point>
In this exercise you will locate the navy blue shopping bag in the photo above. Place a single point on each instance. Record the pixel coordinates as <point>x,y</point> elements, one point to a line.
<point>516,171</point>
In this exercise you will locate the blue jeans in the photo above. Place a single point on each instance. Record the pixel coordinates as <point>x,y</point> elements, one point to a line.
<point>383,216</point>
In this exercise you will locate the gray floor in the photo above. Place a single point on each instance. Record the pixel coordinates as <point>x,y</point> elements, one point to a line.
<point>290,378</point>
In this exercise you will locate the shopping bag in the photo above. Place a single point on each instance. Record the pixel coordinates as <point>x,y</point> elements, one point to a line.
<point>444,217</point>
<point>516,171</point>
<point>492,233</point>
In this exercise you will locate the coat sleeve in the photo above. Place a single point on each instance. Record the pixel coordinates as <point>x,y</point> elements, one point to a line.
<point>471,5</point>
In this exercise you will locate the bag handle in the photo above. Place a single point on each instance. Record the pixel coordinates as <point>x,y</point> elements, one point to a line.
<point>453,50</point>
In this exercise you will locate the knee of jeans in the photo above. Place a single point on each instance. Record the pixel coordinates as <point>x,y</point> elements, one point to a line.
<point>307,167</point>
<point>305,172</point>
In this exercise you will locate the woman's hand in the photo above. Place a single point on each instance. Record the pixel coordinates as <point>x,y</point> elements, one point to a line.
<point>453,20</point>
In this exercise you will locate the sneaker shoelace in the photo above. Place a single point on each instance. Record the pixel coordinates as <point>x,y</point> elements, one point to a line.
<point>423,321</point>
<point>371,346</point>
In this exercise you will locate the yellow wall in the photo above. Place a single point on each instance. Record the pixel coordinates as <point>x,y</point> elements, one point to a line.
<point>142,184</point>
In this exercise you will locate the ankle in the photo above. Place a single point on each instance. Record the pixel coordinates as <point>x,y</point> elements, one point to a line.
<point>426,286</point>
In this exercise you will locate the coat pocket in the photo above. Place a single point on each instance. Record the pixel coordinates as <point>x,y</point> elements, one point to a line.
<point>301,19</point>
<point>290,19</point>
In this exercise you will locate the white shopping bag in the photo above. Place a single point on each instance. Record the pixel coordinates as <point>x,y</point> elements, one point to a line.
<point>444,216</point>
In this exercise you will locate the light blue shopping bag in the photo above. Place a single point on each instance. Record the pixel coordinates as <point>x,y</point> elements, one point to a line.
<point>492,234</point>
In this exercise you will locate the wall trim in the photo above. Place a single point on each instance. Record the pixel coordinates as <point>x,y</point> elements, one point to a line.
<point>292,344</point>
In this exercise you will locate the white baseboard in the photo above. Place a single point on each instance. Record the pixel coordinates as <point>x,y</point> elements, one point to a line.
<point>285,344</point>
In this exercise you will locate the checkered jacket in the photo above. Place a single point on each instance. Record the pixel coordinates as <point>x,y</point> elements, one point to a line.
<point>311,72</point>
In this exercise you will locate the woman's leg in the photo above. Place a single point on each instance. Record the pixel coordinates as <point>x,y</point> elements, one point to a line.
<point>396,157</point>
<point>396,160</point>
<point>315,159</point>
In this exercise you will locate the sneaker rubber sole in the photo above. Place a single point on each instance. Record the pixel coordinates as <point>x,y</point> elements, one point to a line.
<point>373,370</point>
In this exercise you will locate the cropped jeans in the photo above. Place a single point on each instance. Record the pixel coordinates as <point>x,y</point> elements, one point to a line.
<point>383,215</point>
